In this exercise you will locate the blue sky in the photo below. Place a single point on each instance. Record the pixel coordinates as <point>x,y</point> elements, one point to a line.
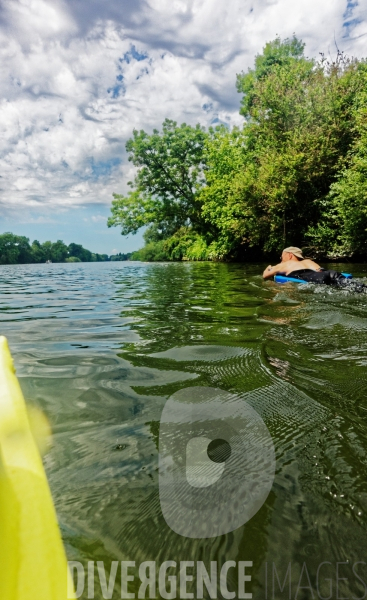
<point>85,225</point>
<point>78,76</point>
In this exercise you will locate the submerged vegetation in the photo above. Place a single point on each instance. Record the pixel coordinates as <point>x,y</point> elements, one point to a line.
<point>294,174</point>
<point>16,249</point>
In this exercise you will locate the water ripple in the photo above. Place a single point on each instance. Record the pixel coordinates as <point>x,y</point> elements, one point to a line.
<point>100,348</point>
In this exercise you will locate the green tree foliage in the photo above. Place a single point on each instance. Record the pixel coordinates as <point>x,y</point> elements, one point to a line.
<point>266,183</point>
<point>59,251</point>
<point>100,257</point>
<point>295,173</point>
<point>152,251</point>
<point>168,181</point>
<point>342,228</point>
<point>72,259</point>
<point>38,252</point>
<point>120,256</point>
<point>275,54</point>
<point>77,251</point>
<point>15,249</point>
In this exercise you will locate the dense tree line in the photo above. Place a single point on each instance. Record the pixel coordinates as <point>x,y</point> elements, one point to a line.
<point>16,249</point>
<point>294,174</point>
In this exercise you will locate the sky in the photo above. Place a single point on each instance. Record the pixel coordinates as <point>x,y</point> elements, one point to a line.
<point>77,76</point>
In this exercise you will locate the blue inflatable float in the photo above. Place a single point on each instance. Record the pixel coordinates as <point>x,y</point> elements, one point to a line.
<point>285,279</point>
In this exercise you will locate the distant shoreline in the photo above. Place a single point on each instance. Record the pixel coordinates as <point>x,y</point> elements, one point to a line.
<point>16,249</point>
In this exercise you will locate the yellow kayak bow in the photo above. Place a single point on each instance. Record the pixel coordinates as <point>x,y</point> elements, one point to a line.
<point>32,556</point>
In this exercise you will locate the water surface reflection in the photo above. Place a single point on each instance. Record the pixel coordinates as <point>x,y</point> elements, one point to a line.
<point>101,347</point>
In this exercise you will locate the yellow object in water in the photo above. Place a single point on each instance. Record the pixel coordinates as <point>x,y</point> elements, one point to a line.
<point>32,558</point>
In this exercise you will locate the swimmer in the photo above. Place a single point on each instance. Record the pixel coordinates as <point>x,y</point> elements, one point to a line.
<point>293,264</point>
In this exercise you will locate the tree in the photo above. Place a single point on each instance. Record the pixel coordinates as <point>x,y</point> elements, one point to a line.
<point>59,251</point>
<point>169,178</point>
<point>14,249</point>
<point>121,256</point>
<point>77,251</point>
<point>47,249</point>
<point>276,53</point>
<point>342,228</point>
<point>294,174</point>
<point>38,252</point>
<point>266,184</point>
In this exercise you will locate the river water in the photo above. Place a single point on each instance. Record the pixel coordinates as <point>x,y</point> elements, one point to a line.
<point>101,347</point>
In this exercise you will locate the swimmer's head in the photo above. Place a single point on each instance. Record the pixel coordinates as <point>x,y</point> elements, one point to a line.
<point>292,252</point>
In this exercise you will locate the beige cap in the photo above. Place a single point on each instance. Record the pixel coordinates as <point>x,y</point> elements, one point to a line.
<point>294,250</point>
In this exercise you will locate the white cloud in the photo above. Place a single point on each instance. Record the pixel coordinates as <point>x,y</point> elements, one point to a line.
<point>76,78</point>
<point>38,20</point>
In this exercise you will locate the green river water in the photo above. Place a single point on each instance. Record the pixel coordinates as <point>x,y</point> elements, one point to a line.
<point>101,347</point>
